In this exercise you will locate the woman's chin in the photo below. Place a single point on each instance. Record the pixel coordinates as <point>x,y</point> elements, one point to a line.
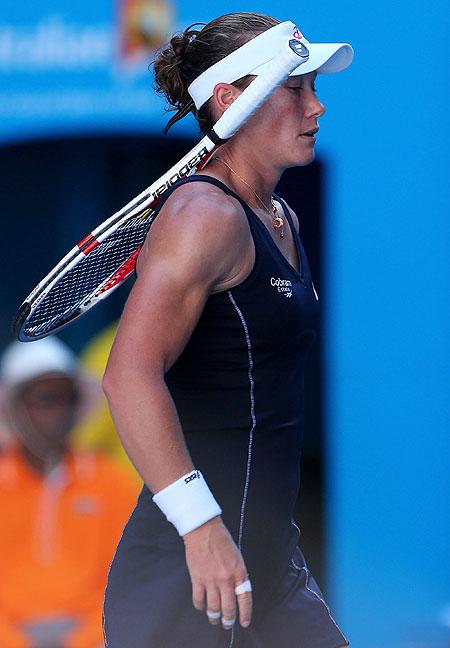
<point>304,159</point>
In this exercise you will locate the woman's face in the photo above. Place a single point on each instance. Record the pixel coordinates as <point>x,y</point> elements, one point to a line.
<point>278,128</point>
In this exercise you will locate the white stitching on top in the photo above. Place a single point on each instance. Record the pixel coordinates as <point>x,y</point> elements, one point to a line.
<point>296,527</point>
<point>252,412</point>
<point>306,570</point>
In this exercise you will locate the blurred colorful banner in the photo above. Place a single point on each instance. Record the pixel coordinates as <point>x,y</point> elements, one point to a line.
<point>83,67</point>
<point>79,67</point>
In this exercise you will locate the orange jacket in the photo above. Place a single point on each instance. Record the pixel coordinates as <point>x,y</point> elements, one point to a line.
<point>57,539</point>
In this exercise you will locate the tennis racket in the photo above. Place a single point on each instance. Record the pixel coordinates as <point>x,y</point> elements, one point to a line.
<point>106,257</point>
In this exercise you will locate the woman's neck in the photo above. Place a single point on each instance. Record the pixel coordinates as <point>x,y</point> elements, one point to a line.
<point>246,173</point>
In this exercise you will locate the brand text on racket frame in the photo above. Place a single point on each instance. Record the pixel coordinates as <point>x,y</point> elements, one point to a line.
<point>190,164</point>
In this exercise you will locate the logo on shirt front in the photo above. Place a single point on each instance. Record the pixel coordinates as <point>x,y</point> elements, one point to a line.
<point>283,286</point>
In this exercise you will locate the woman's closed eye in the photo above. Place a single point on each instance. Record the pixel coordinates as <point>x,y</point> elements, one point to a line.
<point>298,89</point>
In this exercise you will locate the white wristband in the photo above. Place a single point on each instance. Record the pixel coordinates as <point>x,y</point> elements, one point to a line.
<point>187,503</point>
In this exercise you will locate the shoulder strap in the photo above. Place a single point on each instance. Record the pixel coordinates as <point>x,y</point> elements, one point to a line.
<point>197,178</point>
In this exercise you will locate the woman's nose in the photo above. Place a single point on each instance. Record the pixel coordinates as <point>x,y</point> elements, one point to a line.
<point>317,108</point>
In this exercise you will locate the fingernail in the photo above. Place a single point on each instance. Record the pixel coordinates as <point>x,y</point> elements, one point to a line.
<point>245,624</point>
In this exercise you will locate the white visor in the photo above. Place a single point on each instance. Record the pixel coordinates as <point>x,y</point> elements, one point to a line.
<point>254,56</point>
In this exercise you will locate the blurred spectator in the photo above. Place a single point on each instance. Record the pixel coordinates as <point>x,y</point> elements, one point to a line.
<point>62,511</point>
<point>6,439</point>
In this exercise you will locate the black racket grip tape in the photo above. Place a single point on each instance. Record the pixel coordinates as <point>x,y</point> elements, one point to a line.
<point>215,139</point>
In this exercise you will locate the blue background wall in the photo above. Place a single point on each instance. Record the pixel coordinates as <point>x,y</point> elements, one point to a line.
<point>388,325</point>
<point>384,142</point>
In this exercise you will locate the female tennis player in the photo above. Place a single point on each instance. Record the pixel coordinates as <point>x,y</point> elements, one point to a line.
<point>205,378</point>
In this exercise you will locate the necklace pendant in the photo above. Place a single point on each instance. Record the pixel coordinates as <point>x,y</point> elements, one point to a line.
<point>278,223</point>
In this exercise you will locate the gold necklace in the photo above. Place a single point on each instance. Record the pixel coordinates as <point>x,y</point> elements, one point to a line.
<point>277,222</point>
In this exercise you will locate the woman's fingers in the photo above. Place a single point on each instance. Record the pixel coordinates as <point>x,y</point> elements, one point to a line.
<point>243,593</point>
<point>222,605</point>
<point>218,574</point>
<point>213,605</point>
<point>232,599</point>
<point>228,601</point>
<point>198,596</point>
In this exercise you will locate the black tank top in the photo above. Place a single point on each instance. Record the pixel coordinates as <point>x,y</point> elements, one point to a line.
<point>238,387</point>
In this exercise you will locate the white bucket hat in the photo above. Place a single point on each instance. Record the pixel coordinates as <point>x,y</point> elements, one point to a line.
<point>23,362</point>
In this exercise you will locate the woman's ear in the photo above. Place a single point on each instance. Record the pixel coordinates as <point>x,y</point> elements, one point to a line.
<point>224,95</point>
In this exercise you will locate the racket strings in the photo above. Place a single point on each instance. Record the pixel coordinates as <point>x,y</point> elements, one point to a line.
<point>85,280</point>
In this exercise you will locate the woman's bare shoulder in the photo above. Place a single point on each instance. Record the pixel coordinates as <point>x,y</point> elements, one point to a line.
<point>202,202</point>
<point>198,224</point>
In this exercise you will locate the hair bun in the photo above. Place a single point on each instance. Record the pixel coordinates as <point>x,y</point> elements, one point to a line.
<point>179,44</point>
<point>169,76</point>
<point>194,50</point>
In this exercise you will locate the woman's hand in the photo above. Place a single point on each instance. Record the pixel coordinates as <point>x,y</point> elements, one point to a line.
<point>216,568</point>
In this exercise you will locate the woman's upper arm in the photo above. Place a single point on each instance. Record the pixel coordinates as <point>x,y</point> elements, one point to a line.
<point>193,244</point>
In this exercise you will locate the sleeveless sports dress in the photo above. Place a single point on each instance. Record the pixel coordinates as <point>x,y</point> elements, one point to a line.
<point>238,387</point>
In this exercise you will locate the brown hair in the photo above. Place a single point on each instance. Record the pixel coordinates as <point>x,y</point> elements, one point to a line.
<point>193,51</point>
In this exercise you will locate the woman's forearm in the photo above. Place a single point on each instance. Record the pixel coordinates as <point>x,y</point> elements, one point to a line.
<point>147,422</point>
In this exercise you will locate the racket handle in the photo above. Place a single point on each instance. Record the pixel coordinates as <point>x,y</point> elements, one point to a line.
<point>293,54</point>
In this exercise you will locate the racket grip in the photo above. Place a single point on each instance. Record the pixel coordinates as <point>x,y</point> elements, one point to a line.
<point>293,54</point>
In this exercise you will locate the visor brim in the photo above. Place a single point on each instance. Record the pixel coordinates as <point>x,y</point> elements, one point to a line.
<point>326,58</point>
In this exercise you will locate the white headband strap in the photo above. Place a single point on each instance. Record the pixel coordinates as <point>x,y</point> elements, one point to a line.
<point>253,56</point>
